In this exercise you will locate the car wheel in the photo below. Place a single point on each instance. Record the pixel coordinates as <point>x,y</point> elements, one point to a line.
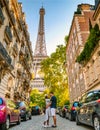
<point>66,115</point>
<point>77,120</point>
<point>19,120</point>
<point>25,119</point>
<point>96,123</point>
<point>70,117</point>
<point>7,124</point>
<point>62,114</point>
<point>3,126</point>
<point>30,117</point>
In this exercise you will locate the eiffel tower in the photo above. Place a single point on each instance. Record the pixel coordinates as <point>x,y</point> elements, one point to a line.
<point>40,54</point>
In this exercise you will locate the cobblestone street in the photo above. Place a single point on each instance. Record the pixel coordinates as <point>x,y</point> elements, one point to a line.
<point>36,124</point>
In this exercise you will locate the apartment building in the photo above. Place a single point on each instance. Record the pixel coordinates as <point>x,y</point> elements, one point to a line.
<point>15,52</point>
<point>92,67</point>
<point>79,32</point>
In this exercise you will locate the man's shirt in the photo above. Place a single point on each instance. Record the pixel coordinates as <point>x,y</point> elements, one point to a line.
<point>53,102</point>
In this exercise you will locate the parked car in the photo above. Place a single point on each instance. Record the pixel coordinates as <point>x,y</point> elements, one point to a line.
<point>63,110</point>
<point>89,110</point>
<point>9,113</point>
<point>71,112</point>
<point>57,110</point>
<point>36,110</point>
<point>25,110</point>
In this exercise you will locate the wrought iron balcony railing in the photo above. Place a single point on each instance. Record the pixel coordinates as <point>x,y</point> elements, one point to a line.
<point>18,33</point>
<point>1,16</point>
<point>26,32</point>
<point>13,18</point>
<point>4,55</point>
<point>21,24</point>
<point>1,3</point>
<point>15,47</point>
<point>22,50</point>
<point>8,33</point>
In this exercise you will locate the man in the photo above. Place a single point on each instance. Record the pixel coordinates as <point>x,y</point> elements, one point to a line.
<point>53,105</point>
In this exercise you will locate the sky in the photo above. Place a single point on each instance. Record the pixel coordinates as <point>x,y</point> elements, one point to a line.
<point>58,18</point>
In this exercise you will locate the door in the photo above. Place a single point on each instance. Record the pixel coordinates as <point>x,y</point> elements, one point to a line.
<point>10,110</point>
<point>82,109</point>
<point>89,108</point>
<point>15,111</point>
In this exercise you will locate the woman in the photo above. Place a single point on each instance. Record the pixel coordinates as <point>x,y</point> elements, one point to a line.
<point>47,112</point>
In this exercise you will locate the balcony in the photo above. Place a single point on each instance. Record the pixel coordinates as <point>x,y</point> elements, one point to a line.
<point>22,52</point>
<point>1,16</point>
<point>2,3</point>
<point>19,72</point>
<point>15,48</point>
<point>21,24</point>
<point>8,33</point>
<point>4,56</point>
<point>27,66</point>
<point>18,34</point>
<point>26,33</point>
<point>12,17</point>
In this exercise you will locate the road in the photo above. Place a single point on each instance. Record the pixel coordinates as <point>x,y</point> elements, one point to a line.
<point>37,121</point>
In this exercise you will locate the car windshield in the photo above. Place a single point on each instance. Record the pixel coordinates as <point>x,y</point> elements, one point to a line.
<point>1,101</point>
<point>75,104</point>
<point>96,95</point>
<point>66,106</point>
<point>35,107</point>
<point>21,104</point>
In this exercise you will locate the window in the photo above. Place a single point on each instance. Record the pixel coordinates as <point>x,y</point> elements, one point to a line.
<point>21,104</point>
<point>11,104</point>
<point>96,96</point>
<point>89,97</point>
<point>5,45</point>
<point>1,101</point>
<point>83,99</point>
<point>75,104</point>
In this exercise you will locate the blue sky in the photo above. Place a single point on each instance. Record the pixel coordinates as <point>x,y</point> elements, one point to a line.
<point>58,18</point>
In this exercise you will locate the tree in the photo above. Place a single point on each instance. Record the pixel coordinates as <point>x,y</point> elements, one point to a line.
<point>55,76</point>
<point>37,98</point>
<point>66,39</point>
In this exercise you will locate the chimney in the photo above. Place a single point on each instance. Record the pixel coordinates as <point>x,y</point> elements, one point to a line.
<point>84,7</point>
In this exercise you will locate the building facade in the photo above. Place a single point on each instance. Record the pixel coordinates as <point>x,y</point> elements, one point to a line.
<point>15,52</point>
<point>92,67</point>
<point>78,35</point>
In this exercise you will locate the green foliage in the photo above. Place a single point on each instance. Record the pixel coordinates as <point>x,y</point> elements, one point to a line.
<point>78,11</point>
<point>55,76</point>
<point>90,45</point>
<point>38,98</point>
<point>90,25</point>
<point>66,39</point>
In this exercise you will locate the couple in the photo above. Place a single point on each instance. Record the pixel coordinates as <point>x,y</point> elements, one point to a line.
<point>50,110</point>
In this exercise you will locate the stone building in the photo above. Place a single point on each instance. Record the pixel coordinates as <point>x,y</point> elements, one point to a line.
<point>92,67</point>
<point>15,52</point>
<point>78,35</point>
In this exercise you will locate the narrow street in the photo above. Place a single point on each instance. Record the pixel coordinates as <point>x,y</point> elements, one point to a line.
<point>36,124</point>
